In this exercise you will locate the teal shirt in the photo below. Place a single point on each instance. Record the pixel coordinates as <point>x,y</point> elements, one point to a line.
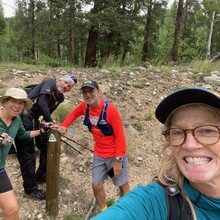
<point>16,129</point>
<point>148,203</point>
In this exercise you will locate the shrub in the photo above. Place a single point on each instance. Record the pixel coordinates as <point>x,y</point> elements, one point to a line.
<point>61,112</point>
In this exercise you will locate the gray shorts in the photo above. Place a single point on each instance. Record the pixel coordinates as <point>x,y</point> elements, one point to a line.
<point>102,165</point>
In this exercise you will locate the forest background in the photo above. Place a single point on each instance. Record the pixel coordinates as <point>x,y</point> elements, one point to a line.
<point>101,33</point>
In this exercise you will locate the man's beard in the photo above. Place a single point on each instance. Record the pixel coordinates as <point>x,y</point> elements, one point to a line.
<point>60,89</point>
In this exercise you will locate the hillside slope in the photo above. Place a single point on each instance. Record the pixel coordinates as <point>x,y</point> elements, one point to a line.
<point>135,92</point>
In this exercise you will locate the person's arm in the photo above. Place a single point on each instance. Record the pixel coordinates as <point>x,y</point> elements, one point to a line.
<point>23,134</point>
<point>144,202</point>
<point>78,111</point>
<point>114,118</point>
<point>43,101</point>
<point>42,130</point>
<point>120,141</point>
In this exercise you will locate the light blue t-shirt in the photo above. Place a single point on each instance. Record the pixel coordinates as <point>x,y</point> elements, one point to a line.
<point>149,203</point>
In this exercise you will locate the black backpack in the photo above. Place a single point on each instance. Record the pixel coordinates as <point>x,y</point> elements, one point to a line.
<point>28,88</point>
<point>178,207</point>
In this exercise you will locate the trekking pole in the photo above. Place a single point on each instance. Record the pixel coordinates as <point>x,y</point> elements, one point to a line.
<point>71,146</point>
<point>77,143</point>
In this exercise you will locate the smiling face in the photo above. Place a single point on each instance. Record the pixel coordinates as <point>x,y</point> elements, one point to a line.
<point>14,107</point>
<point>197,162</point>
<point>91,96</point>
<point>63,86</point>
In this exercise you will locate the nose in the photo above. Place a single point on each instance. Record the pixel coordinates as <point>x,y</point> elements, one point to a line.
<point>190,141</point>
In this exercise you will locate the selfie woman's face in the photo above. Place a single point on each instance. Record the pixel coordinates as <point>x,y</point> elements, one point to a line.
<point>199,163</point>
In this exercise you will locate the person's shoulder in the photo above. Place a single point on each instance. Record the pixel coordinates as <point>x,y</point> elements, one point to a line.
<point>153,190</point>
<point>17,120</point>
<point>111,105</point>
<point>49,81</point>
<point>152,187</point>
<point>82,105</point>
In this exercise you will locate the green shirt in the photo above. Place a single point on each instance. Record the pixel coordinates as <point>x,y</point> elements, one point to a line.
<point>16,129</point>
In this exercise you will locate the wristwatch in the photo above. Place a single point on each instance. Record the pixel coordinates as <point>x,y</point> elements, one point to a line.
<point>119,159</point>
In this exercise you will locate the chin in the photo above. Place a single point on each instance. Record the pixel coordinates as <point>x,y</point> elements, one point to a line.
<point>60,89</point>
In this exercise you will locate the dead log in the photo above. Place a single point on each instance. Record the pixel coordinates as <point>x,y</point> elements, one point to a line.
<point>214,58</point>
<point>91,209</point>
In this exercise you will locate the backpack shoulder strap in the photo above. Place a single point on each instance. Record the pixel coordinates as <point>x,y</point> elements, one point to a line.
<point>177,206</point>
<point>104,109</point>
<point>28,88</point>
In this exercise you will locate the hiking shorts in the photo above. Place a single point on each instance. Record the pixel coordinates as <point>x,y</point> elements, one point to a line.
<point>5,183</point>
<point>100,169</point>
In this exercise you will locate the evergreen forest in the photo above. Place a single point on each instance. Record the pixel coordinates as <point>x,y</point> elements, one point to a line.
<point>90,33</point>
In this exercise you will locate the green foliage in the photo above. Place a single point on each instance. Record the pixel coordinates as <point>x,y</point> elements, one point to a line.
<point>116,74</point>
<point>188,55</point>
<point>64,182</point>
<point>72,216</point>
<point>57,36</point>
<point>138,125</point>
<point>204,66</point>
<point>212,5</point>
<point>61,112</point>
<point>110,202</point>
<point>148,115</point>
<point>139,84</point>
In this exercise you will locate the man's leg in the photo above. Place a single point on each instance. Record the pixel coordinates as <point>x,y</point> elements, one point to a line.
<point>99,193</point>
<point>124,189</point>
<point>41,142</point>
<point>27,160</point>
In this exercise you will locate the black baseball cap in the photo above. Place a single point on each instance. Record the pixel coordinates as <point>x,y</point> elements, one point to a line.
<point>185,96</point>
<point>90,83</point>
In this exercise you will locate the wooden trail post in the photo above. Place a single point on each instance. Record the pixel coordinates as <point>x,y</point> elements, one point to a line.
<point>52,177</point>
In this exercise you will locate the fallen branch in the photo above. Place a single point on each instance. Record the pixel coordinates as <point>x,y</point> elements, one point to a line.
<point>91,209</point>
<point>214,58</point>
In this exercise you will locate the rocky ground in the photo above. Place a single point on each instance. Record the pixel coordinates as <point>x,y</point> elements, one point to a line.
<point>135,92</point>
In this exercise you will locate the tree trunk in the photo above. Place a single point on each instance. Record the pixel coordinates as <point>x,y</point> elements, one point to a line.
<point>32,29</point>
<point>208,53</point>
<point>90,60</point>
<point>177,31</point>
<point>72,30</point>
<point>146,33</point>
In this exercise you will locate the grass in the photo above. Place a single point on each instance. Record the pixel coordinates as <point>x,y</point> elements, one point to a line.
<point>197,65</point>
<point>203,66</point>
<point>61,112</point>
<point>72,216</point>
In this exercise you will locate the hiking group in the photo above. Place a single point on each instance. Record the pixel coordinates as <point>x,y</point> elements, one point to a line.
<point>186,185</point>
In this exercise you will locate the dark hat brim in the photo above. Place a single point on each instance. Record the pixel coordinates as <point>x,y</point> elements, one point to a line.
<point>183,97</point>
<point>88,85</point>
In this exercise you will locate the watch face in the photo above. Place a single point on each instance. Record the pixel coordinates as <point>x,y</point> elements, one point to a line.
<point>119,158</point>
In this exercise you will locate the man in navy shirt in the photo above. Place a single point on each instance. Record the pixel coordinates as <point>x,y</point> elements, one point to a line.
<point>46,97</point>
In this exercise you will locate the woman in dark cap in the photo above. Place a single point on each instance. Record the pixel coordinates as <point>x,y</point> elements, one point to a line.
<point>191,165</point>
<point>13,103</point>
